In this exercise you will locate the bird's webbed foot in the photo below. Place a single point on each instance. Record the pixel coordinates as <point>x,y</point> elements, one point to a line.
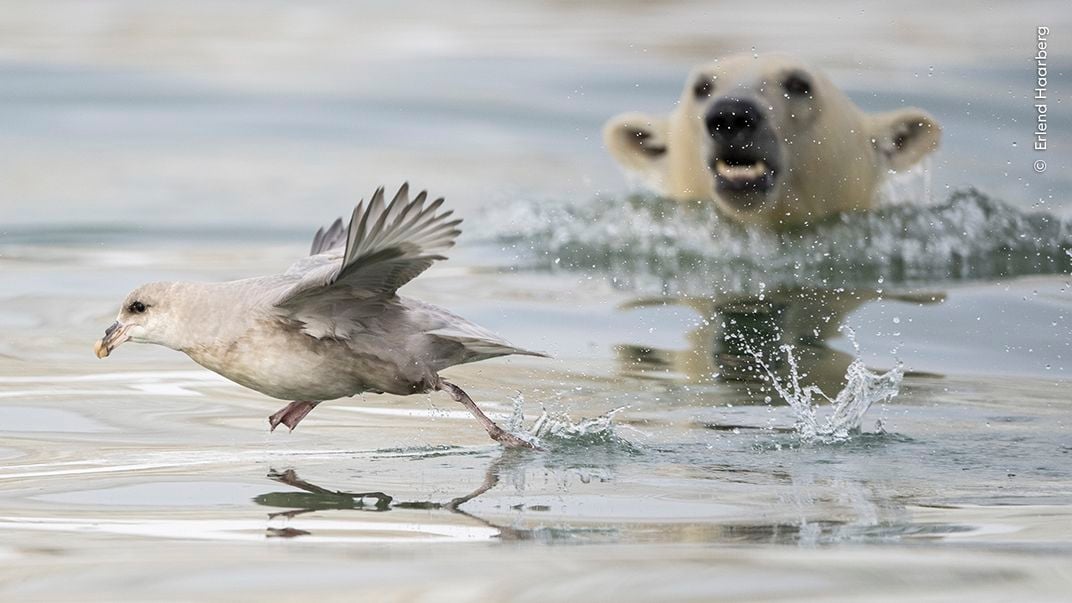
<point>291,414</point>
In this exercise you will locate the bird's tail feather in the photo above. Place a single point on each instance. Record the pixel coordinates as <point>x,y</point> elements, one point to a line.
<point>474,349</point>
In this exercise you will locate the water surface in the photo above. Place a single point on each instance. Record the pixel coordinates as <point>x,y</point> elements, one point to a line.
<point>209,140</point>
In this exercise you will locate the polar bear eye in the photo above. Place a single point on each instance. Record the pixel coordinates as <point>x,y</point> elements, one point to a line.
<point>796,85</point>
<point>703,87</point>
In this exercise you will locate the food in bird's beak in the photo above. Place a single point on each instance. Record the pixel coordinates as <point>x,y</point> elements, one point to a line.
<point>113,336</point>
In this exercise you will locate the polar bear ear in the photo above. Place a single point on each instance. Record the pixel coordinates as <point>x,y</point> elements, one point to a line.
<point>639,143</point>
<point>904,137</point>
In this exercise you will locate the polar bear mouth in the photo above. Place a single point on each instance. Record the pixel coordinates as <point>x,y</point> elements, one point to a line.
<point>735,174</point>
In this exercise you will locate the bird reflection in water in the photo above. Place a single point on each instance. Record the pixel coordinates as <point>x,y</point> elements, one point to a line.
<point>510,464</point>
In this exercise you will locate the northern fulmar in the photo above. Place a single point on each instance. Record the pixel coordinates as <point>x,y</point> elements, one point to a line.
<point>332,325</point>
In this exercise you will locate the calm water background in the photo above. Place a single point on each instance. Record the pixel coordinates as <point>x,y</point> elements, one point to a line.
<point>208,140</point>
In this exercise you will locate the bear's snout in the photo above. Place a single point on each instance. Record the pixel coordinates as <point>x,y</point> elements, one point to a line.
<point>744,159</point>
<point>733,120</point>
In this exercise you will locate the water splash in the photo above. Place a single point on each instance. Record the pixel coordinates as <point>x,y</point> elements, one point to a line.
<point>911,186</point>
<point>660,245</point>
<point>862,389</point>
<point>557,429</point>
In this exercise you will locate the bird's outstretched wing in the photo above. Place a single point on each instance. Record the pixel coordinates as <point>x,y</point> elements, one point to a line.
<point>326,240</point>
<point>384,246</point>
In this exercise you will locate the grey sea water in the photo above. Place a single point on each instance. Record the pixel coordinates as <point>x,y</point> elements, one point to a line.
<point>686,455</point>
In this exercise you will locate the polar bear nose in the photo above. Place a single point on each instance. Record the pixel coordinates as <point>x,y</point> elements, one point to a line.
<point>732,119</point>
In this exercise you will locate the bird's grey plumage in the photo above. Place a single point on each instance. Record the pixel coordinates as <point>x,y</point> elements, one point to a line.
<point>383,248</point>
<point>332,237</point>
<point>331,325</point>
<point>336,319</point>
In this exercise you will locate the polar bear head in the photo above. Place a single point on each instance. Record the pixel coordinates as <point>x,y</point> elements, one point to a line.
<point>771,141</point>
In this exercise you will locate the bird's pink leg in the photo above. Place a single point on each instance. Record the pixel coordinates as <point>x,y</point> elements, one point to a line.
<point>291,414</point>
<point>497,433</point>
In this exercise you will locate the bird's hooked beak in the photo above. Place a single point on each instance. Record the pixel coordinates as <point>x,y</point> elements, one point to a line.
<point>113,337</point>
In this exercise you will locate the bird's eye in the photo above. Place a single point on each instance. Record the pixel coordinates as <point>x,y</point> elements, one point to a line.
<point>796,85</point>
<point>703,87</point>
<point>136,307</point>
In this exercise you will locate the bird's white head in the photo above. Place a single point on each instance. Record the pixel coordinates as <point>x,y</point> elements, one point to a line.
<point>147,316</point>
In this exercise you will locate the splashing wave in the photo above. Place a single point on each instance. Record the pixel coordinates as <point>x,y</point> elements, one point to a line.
<point>557,430</point>
<point>862,389</point>
<point>651,243</point>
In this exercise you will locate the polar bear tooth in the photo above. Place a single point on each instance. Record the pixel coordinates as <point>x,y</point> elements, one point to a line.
<point>741,172</point>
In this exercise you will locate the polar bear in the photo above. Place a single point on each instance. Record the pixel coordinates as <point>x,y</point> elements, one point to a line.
<point>771,141</point>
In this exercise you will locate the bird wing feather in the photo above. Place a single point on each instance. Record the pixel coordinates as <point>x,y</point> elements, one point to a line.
<point>384,246</point>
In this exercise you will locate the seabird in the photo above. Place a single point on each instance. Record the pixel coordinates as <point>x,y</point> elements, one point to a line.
<point>332,325</point>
